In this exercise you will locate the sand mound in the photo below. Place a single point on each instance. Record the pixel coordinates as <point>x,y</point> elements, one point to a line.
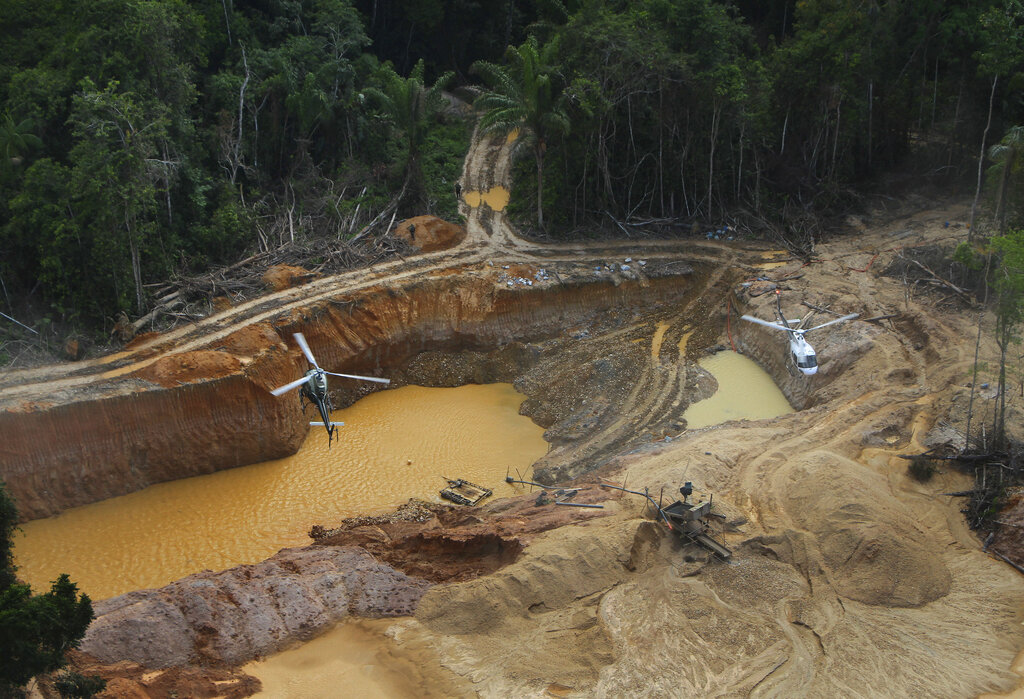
<point>549,576</point>
<point>871,546</point>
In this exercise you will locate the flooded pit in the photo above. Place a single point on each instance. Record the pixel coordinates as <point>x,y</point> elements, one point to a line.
<point>395,445</point>
<point>745,392</point>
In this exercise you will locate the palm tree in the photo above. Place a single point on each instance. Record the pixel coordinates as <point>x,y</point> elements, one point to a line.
<point>1007,157</point>
<point>409,104</point>
<point>526,95</point>
<point>16,140</point>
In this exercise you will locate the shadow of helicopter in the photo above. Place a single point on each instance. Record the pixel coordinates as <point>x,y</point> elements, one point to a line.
<point>314,388</point>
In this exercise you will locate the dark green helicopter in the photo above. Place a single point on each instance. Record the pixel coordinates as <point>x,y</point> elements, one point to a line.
<point>314,388</point>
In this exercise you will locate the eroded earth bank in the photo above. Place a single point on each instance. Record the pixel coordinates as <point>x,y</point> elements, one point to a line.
<point>848,577</point>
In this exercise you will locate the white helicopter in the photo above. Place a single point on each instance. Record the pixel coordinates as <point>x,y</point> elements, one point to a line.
<point>314,388</point>
<point>799,349</point>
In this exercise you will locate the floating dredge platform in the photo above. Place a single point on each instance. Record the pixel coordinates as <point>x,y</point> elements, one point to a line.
<point>462,492</point>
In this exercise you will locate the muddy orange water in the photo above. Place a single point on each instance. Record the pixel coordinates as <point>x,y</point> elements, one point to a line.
<point>495,197</point>
<point>395,445</point>
<point>745,391</point>
<point>361,657</point>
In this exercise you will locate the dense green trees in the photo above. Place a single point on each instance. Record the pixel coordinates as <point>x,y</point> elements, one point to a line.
<point>141,138</point>
<point>410,106</point>
<point>526,97</point>
<point>35,630</point>
<point>1009,288</point>
<point>145,137</point>
<point>1007,158</point>
<point>16,141</point>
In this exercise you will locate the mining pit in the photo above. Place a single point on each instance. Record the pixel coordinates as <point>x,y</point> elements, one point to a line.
<point>848,577</point>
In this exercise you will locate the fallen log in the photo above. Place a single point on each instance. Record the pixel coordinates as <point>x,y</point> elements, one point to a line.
<point>940,281</point>
<point>878,318</point>
<point>1019,569</point>
<point>169,302</point>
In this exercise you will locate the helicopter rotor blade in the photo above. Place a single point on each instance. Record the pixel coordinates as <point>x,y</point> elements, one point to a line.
<point>833,322</point>
<point>766,323</point>
<point>289,386</point>
<point>361,378</point>
<point>304,346</point>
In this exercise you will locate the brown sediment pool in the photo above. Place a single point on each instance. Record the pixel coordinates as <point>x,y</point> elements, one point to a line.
<point>395,445</point>
<point>745,392</point>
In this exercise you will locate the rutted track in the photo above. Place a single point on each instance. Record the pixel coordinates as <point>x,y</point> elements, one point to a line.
<point>107,426</point>
<point>849,578</point>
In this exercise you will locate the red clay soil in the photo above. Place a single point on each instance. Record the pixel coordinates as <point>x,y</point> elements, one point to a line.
<point>189,367</point>
<point>429,233</point>
<point>128,680</point>
<point>281,277</point>
<point>443,543</point>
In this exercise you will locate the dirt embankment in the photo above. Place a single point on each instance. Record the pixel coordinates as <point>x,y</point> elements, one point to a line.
<point>163,415</point>
<point>848,578</point>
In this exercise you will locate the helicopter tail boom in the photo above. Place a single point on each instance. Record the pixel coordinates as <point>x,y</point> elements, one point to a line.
<point>361,378</point>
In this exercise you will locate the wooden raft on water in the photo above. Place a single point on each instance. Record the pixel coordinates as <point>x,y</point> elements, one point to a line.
<point>462,492</point>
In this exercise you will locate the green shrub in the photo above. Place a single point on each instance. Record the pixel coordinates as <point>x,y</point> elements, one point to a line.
<point>922,469</point>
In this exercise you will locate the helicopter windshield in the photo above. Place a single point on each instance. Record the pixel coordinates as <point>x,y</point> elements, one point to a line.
<point>808,361</point>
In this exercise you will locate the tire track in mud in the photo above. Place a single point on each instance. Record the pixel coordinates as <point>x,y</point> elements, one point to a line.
<point>490,238</point>
<point>658,392</point>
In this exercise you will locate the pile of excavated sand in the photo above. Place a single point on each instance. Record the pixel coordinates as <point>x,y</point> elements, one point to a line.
<point>849,578</point>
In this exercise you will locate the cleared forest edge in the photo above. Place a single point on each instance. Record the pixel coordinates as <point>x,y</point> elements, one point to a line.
<point>848,576</point>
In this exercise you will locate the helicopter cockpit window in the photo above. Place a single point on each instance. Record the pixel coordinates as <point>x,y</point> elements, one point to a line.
<point>807,361</point>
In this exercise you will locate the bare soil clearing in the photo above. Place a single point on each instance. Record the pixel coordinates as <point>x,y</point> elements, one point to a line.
<point>848,578</point>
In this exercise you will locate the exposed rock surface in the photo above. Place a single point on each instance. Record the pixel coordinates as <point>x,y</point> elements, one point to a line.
<point>239,614</point>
